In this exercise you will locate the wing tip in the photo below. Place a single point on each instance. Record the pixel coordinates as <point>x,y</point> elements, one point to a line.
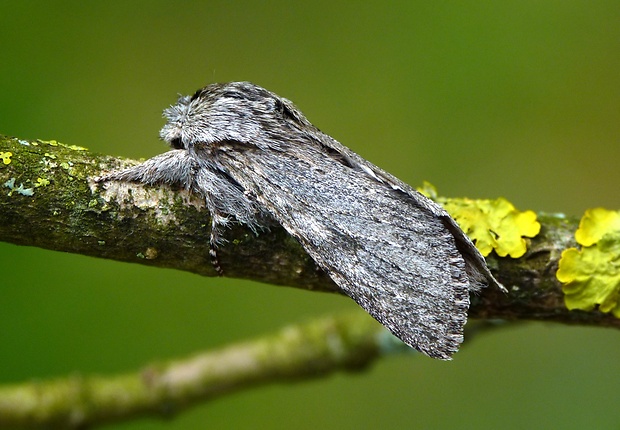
<point>439,340</point>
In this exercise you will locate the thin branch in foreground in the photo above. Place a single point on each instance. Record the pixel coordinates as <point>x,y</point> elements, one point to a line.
<point>349,342</point>
<point>307,351</point>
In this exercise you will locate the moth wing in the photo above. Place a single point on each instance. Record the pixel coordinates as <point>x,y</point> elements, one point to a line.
<point>384,249</point>
<point>475,264</point>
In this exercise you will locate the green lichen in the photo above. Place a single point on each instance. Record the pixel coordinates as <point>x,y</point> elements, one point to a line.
<point>75,147</point>
<point>491,224</point>
<point>49,142</point>
<point>56,143</point>
<point>10,184</point>
<point>28,192</point>
<point>6,157</point>
<point>591,276</point>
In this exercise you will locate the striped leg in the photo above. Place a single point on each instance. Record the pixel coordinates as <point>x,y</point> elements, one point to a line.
<point>218,222</point>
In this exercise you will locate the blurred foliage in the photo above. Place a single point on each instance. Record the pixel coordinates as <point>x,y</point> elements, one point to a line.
<point>519,99</point>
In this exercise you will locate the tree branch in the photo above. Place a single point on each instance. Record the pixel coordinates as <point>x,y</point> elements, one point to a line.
<point>348,342</point>
<point>162,227</point>
<point>127,222</point>
<point>163,389</point>
<point>48,199</point>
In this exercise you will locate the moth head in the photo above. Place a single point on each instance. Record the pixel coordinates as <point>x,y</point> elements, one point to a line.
<point>235,111</point>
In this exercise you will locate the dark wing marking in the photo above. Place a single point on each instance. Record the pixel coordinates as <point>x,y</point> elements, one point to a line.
<point>389,253</point>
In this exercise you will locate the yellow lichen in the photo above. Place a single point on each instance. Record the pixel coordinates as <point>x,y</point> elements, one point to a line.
<point>591,276</point>
<point>42,182</point>
<point>595,224</point>
<point>494,225</point>
<point>6,157</point>
<point>491,224</point>
<point>428,190</point>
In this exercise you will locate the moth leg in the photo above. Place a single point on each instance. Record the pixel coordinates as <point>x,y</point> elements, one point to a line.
<point>218,223</point>
<point>174,167</point>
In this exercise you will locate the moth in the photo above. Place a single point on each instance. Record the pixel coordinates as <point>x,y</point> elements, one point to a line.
<point>254,158</point>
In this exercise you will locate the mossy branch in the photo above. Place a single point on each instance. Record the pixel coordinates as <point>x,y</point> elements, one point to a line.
<point>48,199</point>
<point>348,342</point>
<point>311,350</point>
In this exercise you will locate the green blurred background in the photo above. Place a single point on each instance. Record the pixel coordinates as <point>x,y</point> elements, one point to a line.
<point>519,99</point>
